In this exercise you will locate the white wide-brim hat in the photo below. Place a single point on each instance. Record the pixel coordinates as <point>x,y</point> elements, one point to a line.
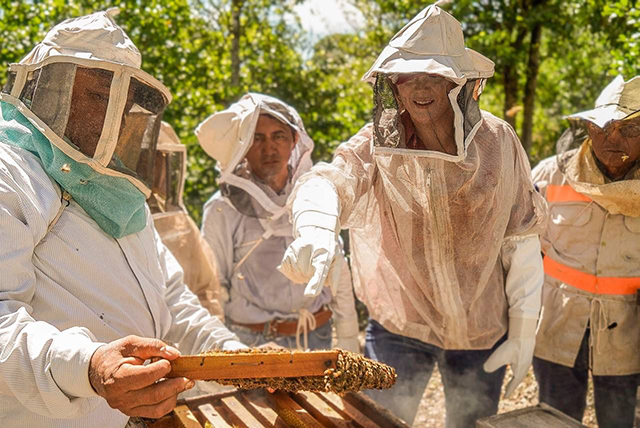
<point>431,42</point>
<point>617,101</point>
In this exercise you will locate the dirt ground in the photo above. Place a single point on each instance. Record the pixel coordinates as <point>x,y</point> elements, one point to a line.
<point>431,412</point>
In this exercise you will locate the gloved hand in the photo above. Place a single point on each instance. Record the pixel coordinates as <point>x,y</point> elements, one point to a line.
<point>311,258</point>
<point>517,351</point>
<point>349,344</point>
<point>522,263</point>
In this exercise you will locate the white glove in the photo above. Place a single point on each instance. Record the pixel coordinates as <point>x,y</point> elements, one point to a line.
<point>522,262</point>
<point>311,258</point>
<point>349,344</point>
<point>517,351</point>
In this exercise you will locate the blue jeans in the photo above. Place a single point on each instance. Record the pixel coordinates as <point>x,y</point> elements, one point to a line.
<point>320,338</point>
<point>565,388</point>
<point>470,392</point>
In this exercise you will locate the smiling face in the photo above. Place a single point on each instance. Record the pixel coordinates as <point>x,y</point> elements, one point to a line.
<point>269,154</point>
<point>617,146</point>
<point>425,97</point>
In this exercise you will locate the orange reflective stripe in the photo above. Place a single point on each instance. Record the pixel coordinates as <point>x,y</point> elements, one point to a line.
<point>591,283</point>
<point>564,193</point>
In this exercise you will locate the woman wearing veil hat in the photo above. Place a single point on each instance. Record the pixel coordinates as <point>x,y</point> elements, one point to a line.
<point>443,221</point>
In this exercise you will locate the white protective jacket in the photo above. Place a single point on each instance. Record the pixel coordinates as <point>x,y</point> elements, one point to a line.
<point>66,291</point>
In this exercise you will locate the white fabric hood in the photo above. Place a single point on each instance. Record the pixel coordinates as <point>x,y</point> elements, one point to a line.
<point>431,42</point>
<point>227,136</point>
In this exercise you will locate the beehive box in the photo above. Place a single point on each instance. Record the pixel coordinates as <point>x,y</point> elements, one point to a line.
<point>257,408</point>
<point>539,416</point>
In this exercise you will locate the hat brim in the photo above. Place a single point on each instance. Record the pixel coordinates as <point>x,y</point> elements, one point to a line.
<point>600,116</point>
<point>470,65</point>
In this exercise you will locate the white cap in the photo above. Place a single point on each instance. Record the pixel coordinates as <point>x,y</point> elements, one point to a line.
<point>617,101</point>
<point>432,43</point>
<point>94,36</point>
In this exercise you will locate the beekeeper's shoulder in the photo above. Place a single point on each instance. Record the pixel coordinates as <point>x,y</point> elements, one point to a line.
<point>497,126</point>
<point>218,204</point>
<point>27,190</point>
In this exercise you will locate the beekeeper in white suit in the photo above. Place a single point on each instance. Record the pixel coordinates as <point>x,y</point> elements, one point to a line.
<point>443,220</point>
<point>262,148</point>
<point>88,291</point>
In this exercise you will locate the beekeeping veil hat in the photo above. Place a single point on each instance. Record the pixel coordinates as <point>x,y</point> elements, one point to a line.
<point>619,101</point>
<point>169,172</point>
<point>87,70</point>
<point>431,43</point>
<point>228,135</point>
<point>176,228</point>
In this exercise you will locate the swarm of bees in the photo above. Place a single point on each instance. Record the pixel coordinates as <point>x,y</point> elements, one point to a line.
<point>352,372</point>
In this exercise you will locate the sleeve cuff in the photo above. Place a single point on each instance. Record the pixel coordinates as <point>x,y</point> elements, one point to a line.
<point>316,219</point>
<point>522,328</point>
<point>71,354</point>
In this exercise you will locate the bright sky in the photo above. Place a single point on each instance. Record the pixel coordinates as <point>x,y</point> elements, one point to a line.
<point>322,17</point>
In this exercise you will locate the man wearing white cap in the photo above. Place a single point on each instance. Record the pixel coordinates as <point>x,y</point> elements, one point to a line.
<point>443,220</point>
<point>591,314</point>
<point>261,148</point>
<point>88,291</point>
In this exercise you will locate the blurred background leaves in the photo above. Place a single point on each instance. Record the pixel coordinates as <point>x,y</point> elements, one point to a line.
<point>552,58</point>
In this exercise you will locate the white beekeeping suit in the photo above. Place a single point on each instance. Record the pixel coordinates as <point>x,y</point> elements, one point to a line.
<point>444,246</point>
<point>261,222</point>
<point>81,262</point>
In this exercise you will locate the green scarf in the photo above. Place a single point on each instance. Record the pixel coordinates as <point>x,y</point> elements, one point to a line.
<point>113,202</point>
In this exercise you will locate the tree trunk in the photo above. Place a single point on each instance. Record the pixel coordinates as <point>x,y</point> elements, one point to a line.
<point>510,81</point>
<point>530,88</point>
<point>510,78</point>
<point>236,9</point>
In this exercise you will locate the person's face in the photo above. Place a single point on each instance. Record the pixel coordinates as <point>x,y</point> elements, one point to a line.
<point>89,103</point>
<point>424,96</point>
<point>618,144</point>
<point>273,143</point>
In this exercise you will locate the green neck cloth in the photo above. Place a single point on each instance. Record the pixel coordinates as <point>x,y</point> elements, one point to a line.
<point>113,202</point>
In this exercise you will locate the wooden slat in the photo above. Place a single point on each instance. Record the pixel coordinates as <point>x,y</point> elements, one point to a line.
<point>321,410</point>
<point>256,401</point>
<point>240,412</point>
<point>244,366</point>
<point>348,410</point>
<point>374,411</point>
<point>212,415</point>
<point>166,421</point>
<point>292,413</point>
<point>185,418</point>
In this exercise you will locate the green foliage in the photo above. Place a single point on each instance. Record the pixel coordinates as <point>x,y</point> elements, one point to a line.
<point>189,45</point>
